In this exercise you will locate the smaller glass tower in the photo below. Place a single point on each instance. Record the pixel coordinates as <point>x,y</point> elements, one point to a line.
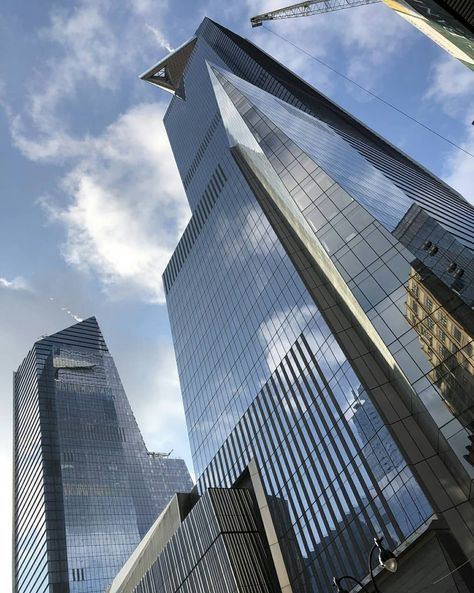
<point>86,490</point>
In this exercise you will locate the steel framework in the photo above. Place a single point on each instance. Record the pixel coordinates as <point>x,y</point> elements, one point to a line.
<point>307,9</point>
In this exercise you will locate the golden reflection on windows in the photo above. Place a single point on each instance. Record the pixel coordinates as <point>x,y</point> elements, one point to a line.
<point>444,326</point>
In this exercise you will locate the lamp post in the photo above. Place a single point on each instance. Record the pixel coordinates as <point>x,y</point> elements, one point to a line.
<point>387,559</point>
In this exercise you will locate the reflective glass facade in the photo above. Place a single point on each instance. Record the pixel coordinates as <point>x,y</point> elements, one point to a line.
<point>86,489</point>
<point>288,299</point>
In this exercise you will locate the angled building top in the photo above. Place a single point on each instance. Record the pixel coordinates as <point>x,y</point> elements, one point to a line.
<point>168,73</point>
<point>86,333</point>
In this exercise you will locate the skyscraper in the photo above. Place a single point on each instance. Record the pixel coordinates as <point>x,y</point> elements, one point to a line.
<point>449,23</point>
<point>86,490</point>
<point>287,298</point>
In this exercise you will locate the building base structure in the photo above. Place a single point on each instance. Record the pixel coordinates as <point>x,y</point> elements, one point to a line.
<point>226,541</point>
<point>201,544</point>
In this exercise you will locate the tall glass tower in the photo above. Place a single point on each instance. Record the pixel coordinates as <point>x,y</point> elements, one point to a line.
<point>449,23</point>
<point>86,490</point>
<point>306,338</point>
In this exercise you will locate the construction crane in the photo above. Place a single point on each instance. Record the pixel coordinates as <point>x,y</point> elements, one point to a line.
<point>450,33</point>
<point>307,9</point>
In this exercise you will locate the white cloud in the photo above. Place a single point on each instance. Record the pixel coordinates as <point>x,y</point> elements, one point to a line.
<point>120,200</point>
<point>159,409</point>
<point>159,37</point>
<point>451,83</point>
<point>126,207</point>
<point>71,314</point>
<point>83,50</point>
<point>122,203</point>
<point>459,168</point>
<point>373,35</point>
<point>17,283</point>
<point>85,45</point>
<point>452,87</point>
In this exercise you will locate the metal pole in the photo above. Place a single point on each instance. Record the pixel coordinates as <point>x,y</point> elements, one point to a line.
<point>347,576</point>
<point>374,547</point>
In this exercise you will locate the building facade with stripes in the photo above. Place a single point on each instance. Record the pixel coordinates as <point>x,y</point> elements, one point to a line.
<point>214,543</point>
<point>290,302</point>
<point>86,490</point>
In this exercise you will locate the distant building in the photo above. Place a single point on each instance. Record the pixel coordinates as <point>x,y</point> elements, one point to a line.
<point>287,301</point>
<point>449,23</point>
<point>85,488</point>
<point>383,459</point>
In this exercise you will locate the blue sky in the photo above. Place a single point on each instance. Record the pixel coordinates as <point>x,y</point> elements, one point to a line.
<point>92,205</point>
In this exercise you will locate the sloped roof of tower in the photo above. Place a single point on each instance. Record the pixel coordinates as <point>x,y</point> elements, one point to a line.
<point>168,73</point>
<point>85,334</point>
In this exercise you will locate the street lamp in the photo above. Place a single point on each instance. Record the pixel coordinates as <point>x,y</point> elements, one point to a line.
<point>387,559</point>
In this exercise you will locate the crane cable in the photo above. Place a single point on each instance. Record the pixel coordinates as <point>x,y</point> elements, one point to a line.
<point>397,109</point>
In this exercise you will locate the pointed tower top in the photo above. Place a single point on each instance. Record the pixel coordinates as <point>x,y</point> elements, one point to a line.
<point>168,73</point>
<point>86,334</point>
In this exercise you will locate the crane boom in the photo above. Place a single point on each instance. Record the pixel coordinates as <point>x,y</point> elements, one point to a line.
<point>307,9</point>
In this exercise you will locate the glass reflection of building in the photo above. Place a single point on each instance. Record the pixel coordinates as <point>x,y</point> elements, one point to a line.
<point>86,489</point>
<point>445,328</point>
<point>286,296</point>
<point>367,422</point>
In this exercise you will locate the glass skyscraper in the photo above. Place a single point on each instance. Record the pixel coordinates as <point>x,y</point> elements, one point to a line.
<point>449,23</point>
<point>291,297</point>
<point>86,490</point>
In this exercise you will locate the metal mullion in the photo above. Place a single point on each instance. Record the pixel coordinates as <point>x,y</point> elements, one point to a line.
<point>261,445</point>
<point>289,488</point>
<point>283,427</point>
<point>291,427</point>
<point>272,452</point>
<point>232,440</point>
<point>31,518</point>
<point>338,477</point>
<point>283,439</point>
<point>29,567</point>
<point>30,428</point>
<point>20,513</point>
<point>269,434</point>
<point>25,413</point>
<point>346,474</point>
<point>24,565</point>
<point>27,477</point>
<point>361,455</point>
<point>294,428</point>
<point>324,490</point>
<point>46,575</point>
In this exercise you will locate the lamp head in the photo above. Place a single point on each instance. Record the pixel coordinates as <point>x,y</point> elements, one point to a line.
<point>387,559</point>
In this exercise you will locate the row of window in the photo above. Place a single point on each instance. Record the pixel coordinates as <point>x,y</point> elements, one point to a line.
<point>441,317</point>
<point>201,150</point>
<point>78,574</point>
<point>200,215</point>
